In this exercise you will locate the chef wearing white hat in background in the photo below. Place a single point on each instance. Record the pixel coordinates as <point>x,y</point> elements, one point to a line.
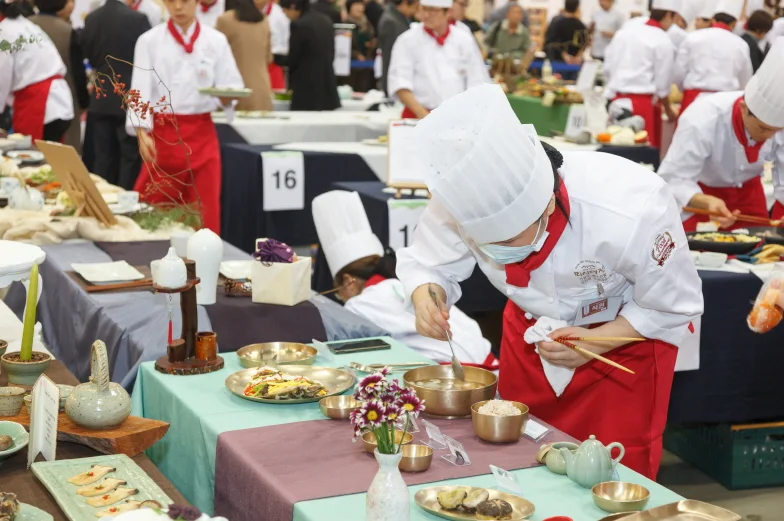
<point>638,67</point>
<point>431,62</point>
<point>366,278</point>
<point>677,31</point>
<point>722,143</point>
<point>714,59</point>
<point>704,9</point>
<point>567,238</point>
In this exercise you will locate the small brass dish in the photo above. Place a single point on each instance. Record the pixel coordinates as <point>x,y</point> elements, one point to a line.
<point>338,407</point>
<point>618,496</point>
<point>369,440</point>
<point>499,429</point>
<point>416,458</point>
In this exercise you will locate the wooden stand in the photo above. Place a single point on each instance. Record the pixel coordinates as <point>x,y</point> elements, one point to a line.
<point>180,356</point>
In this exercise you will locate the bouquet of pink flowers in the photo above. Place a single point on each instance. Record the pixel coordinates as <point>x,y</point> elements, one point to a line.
<point>384,403</point>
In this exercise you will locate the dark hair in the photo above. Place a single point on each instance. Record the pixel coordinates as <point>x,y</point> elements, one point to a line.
<point>659,14</point>
<point>760,21</point>
<point>366,267</point>
<point>724,18</point>
<point>13,10</point>
<point>407,2</point>
<point>571,6</point>
<point>50,6</point>
<point>246,11</point>
<point>299,5</point>
<point>556,160</point>
<point>352,2</point>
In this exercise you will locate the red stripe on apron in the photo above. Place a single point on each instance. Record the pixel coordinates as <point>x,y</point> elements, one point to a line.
<point>600,400</point>
<point>644,106</point>
<point>197,132</point>
<point>689,95</point>
<point>29,108</point>
<point>277,79</point>
<point>749,199</point>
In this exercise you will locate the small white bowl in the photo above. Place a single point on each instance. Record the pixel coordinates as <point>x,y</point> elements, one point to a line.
<point>709,259</point>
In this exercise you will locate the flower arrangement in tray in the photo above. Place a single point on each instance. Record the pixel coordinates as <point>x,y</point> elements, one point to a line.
<point>385,406</point>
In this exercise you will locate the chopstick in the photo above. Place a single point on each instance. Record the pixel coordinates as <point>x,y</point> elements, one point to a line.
<point>120,285</point>
<point>594,355</point>
<point>740,217</point>
<point>600,339</point>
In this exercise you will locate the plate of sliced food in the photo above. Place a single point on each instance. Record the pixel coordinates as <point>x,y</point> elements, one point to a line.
<point>293,384</point>
<point>472,503</point>
<point>226,92</point>
<point>723,242</point>
<point>26,157</point>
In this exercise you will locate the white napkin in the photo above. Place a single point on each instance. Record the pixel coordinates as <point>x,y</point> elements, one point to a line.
<point>559,377</point>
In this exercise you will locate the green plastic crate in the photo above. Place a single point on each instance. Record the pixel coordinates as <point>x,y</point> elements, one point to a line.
<point>737,456</point>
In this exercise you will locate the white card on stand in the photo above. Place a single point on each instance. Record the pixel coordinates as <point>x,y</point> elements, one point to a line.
<point>535,431</point>
<point>283,181</point>
<point>403,166</point>
<point>44,415</point>
<point>506,480</point>
<point>457,453</point>
<point>323,351</point>
<point>436,440</point>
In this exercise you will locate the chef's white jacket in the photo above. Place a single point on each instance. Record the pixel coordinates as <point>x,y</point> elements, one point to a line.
<point>677,35</point>
<point>163,68</point>
<point>36,60</point>
<point>705,149</point>
<point>713,59</point>
<point>605,21</point>
<point>384,304</point>
<point>639,60</point>
<point>620,215</point>
<point>279,30</point>
<point>210,17</point>
<point>433,72</point>
<point>152,11</point>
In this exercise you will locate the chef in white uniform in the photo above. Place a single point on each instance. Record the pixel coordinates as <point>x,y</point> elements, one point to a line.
<point>677,31</point>
<point>705,9</point>
<point>279,39</point>
<point>605,22</point>
<point>366,278</point>
<point>561,235</point>
<point>209,11</point>
<point>714,59</point>
<point>148,8</point>
<point>722,144</point>
<point>432,62</point>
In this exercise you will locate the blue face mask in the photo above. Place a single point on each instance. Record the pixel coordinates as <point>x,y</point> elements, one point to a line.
<point>515,254</point>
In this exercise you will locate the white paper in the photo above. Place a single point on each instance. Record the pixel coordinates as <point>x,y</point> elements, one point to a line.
<point>576,121</point>
<point>404,167</point>
<point>378,66</point>
<point>506,480</point>
<point>403,219</point>
<point>436,439</point>
<point>535,430</point>
<point>43,420</point>
<point>342,61</point>
<point>323,351</point>
<point>284,181</point>
<point>587,77</point>
<point>689,350</point>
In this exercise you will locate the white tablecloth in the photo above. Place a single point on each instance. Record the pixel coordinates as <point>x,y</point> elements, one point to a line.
<point>346,105</point>
<point>375,156</point>
<point>290,127</point>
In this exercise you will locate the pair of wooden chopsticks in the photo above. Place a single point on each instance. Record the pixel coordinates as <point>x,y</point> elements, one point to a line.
<point>591,354</point>
<point>740,217</point>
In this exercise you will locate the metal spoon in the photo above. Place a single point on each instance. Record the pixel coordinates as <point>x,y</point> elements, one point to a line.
<point>457,367</point>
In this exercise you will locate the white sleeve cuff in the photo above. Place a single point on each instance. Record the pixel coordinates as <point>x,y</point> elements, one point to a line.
<point>657,325</point>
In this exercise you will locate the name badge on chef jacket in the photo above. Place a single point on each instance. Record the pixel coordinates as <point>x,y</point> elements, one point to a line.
<point>598,310</point>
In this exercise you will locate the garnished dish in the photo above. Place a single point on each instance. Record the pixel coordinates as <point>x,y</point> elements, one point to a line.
<point>721,242</point>
<point>273,384</point>
<point>724,237</point>
<point>471,503</point>
<point>119,509</point>
<point>113,497</point>
<point>499,408</point>
<point>104,487</point>
<point>291,384</point>
<point>95,473</point>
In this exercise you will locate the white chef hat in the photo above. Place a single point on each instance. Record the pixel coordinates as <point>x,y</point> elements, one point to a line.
<point>343,229</point>
<point>690,10</point>
<point>734,8</point>
<point>764,93</point>
<point>445,4</point>
<point>705,8</point>
<point>675,6</point>
<point>492,175</point>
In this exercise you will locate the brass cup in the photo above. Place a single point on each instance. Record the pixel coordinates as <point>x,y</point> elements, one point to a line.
<point>416,458</point>
<point>338,407</point>
<point>369,440</point>
<point>499,429</point>
<point>618,496</point>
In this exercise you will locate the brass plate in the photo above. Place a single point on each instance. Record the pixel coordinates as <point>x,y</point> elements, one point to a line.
<point>336,381</point>
<point>426,499</point>
<point>687,510</point>
<point>287,353</point>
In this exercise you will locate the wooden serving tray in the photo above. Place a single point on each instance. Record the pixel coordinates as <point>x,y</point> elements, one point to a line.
<point>131,437</point>
<point>114,288</point>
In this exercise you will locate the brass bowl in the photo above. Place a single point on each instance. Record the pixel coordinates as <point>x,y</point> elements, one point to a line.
<point>616,517</point>
<point>618,496</point>
<point>288,353</point>
<point>416,458</point>
<point>338,407</point>
<point>499,429</point>
<point>451,403</point>
<point>369,440</point>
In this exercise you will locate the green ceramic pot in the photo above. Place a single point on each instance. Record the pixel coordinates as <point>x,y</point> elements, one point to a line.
<point>3,347</point>
<point>24,373</point>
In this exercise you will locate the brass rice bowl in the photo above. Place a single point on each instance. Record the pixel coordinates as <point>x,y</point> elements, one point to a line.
<point>451,403</point>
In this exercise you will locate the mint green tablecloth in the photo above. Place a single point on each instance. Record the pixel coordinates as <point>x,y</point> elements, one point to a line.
<point>546,119</point>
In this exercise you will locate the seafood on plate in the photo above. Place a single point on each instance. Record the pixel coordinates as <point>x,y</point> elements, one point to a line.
<point>103,487</point>
<point>111,498</point>
<point>766,313</point>
<point>119,509</point>
<point>95,473</point>
<point>271,384</point>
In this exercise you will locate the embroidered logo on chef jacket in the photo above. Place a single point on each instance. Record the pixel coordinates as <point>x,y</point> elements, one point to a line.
<point>590,270</point>
<point>663,246</point>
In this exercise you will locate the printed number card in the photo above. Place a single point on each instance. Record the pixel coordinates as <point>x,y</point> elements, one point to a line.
<point>43,420</point>
<point>576,121</point>
<point>506,480</point>
<point>403,170</point>
<point>341,64</point>
<point>403,218</point>
<point>284,181</point>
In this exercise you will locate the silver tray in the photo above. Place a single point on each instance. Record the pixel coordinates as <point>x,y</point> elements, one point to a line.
<point>687,510</point>
<point>336,381</point>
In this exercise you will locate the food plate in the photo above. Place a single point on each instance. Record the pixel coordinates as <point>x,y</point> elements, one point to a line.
<point>19,435</point>
<point>770,234</point>
<point>226,92</point>
<point>104,272</point>
<point>711,241</point>
<point>236,270</point>
<point>426,499</point>
<point>687,510</point>
<point>55,474</point>
<point>336,381</point>
<point>255,355</point>
<point>26,157</point>
<point>30,513</point>
<point>375,142</point>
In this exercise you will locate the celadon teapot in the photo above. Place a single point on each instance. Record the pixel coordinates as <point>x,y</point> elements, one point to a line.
<point>591,464</point>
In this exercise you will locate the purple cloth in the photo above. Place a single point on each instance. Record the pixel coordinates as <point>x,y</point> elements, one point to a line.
<point>260,473</point>
<point>273,251</point>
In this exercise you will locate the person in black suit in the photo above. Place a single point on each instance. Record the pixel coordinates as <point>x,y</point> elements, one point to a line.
<point>311,52</point>
<point>108,41</point>
<point>757,27</point>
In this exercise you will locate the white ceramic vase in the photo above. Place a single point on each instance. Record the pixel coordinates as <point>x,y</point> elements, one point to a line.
<point>387,497</point>
<point>205,248</point>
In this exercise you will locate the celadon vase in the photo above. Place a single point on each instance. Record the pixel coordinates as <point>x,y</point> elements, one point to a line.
<point>387,497</point>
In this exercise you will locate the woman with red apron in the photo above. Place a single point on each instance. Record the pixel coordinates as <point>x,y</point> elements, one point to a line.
<point>179,143</point>
<point>279,38</point>
<point>32,74</point>
<point>583,244</point>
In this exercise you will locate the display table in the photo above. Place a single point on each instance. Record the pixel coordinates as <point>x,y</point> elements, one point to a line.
<point>375,156</point>
<point>546,119</point>
<point>200,408</point>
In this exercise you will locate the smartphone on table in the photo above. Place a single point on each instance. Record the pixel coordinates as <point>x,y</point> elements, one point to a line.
<point>357,346</point>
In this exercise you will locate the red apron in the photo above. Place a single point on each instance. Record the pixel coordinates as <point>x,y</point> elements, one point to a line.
<point>277,79</point>
<point>29,108</point>
<point>689,95</point>
<point>600,400</point>
<point>409,114</point>
<point>200,146</point>
<point>644,106</point>
<point>778,211</point>
<point>749,199</point>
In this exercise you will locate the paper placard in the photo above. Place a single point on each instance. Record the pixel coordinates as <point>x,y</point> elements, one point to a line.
<point>436,440</point>
<point>378,65</point>
<point>43,420</point>
<point>284,181</point>
<point>403,166</point>
<point>576,121</point>
<point>403,218</point>
<point>506,480</point>
<point>457,453</point>
<point>534,430</point>
<point>412,426</point>
<point>689,349</point>
<point>587,77</point>
<point>324,353</point>
<point>341,64</point>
